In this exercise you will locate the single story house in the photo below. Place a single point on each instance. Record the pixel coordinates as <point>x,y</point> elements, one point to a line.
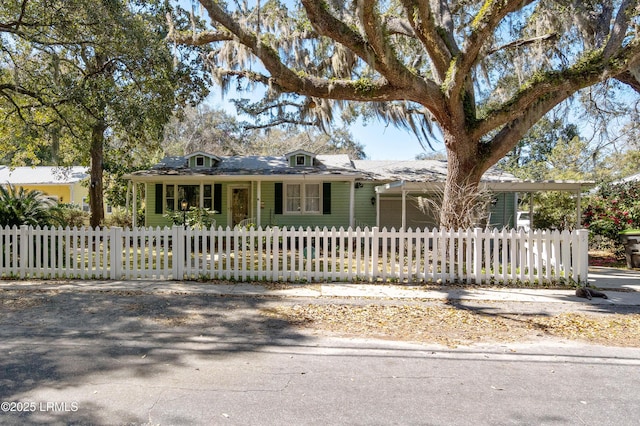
<point>62,184</point>
<point>301,188</point>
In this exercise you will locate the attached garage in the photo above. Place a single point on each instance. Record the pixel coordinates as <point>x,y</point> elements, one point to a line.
<point>415,216</point>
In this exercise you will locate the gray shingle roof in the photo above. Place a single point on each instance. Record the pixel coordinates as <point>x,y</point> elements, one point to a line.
<point>252,165</point>
<point>339,164</point>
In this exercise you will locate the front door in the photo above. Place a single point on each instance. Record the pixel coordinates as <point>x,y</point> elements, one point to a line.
<point>239,204</point>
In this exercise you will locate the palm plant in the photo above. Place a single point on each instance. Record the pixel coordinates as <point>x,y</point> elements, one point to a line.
<point>26,207</point>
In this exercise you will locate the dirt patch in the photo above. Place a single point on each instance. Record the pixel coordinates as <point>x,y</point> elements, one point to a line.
<point>606,258</point>
<point>453,326</point>
<point>16,300</point>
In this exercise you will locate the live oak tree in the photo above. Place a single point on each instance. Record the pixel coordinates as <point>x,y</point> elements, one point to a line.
<point>482,72</point>
<point>75,74</point>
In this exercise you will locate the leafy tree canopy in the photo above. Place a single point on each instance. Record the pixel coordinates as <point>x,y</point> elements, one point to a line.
<point>75,73</point>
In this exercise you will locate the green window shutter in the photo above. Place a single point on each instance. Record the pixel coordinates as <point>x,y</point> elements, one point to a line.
<point>217,197</point>
<point>159,197</point>
<point>278,198</point>
<point>326,198</point>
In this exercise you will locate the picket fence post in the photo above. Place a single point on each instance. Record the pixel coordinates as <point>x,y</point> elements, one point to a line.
<point>177,242</point>
<point>117,249</point>
<point>25,248</point>
<point>581,245</point>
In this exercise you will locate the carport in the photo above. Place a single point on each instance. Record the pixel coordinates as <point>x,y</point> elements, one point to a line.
<point>394,206</point>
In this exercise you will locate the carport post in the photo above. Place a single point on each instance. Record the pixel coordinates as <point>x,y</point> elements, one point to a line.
<point>404,209</point>
<point>377,208</point>
<point>531,224</point>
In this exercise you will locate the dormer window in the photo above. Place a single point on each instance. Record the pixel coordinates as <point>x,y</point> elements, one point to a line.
<point>201,160</point>
<point>300,158</point>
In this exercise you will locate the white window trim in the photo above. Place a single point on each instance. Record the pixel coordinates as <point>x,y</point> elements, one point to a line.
<point>303,198</point>
<point>177,200</point>
<point>199,158</point>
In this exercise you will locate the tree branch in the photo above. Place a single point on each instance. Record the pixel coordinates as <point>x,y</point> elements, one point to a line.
<point>14,26</point>
<point>279,122</point>
<point>522,42</point>
<point>529,105</point>
<point>620,25</point>
<point>543,86</point>
<point>399,26</point>
<point>629,79</point>
<point>191,38</point>
<point>326,24</point>
<point>427,32</point>
<point>392,68</point>
<point>482,27</point>
<point>287,80</point>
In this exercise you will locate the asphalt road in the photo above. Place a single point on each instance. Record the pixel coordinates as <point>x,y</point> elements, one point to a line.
<point>119,357</point>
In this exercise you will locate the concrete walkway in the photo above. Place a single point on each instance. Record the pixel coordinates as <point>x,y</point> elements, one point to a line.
<point>621,286</point>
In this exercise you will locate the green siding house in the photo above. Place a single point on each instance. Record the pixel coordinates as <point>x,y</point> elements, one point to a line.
<point>306,189</point>
<point>298,189</point>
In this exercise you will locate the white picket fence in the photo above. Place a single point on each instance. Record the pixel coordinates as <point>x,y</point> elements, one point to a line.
<point>296,255</point>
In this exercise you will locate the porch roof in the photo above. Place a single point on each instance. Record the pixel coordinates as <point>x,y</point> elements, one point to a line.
<point>419,171</point>
<point>495,185</point>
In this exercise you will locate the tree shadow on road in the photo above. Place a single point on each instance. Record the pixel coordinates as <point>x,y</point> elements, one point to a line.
<point>54,340</point>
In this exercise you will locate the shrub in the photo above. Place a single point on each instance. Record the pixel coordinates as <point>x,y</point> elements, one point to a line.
<point>71,215</point>
<point>119,218</point>
<point>555,210</point>
<point>193,218</point>
<point>26,207</point>
<point>614,208</point>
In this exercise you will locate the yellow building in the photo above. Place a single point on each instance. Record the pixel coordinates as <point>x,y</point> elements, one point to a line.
<point>62,184</point>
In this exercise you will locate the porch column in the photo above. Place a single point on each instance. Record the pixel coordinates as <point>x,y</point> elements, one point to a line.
<point>134,204</point>
<point>127,205</point>
<point>531,224</point>
<point>259,203</point>
<point>352,204</point>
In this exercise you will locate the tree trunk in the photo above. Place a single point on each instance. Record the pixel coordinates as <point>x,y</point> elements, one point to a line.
<point>461,200</point>
<point>95,185</point>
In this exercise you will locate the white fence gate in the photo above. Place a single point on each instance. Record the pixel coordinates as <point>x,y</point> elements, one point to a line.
<point>302,254</point>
